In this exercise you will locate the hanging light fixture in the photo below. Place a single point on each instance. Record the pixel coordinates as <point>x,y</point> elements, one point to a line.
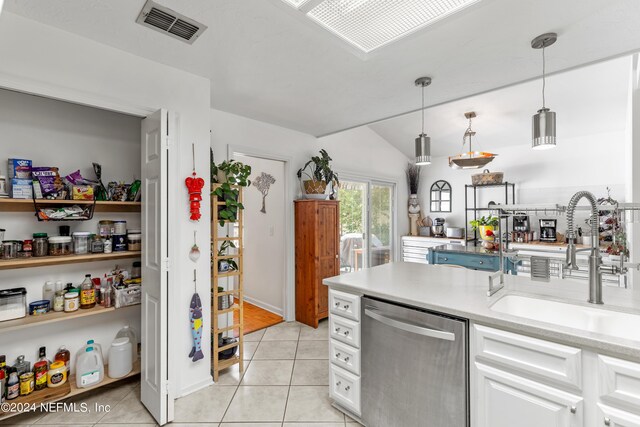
<point>470,159</point>
<point>544,122</point>
<point>423,142</point>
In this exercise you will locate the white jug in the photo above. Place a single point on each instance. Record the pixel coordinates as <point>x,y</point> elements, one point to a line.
<point>120,360</point>
<point>89,368</point>
<point>130,333</point>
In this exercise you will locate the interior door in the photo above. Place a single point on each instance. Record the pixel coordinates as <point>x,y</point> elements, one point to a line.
<point>328,220</point>
<point>154,363</point>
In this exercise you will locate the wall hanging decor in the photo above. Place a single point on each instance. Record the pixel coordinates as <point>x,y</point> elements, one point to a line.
<point>194,185</point>
<point>413,182</point>
<point>195,316</point>
<point>440,196</point>
<point>194,253</point>
<point>263,183</point>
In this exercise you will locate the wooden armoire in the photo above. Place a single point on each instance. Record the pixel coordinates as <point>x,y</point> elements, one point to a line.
<point>317,256</point>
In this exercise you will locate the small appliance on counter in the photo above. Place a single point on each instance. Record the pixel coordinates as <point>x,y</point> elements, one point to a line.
<point>521,232</point>
<point>437,229</point>
<point>548,230</point>
<point>455,232</point>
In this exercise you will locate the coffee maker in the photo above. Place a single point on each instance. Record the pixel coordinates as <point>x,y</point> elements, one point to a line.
<point>548,230</point>
<point>521,232</point>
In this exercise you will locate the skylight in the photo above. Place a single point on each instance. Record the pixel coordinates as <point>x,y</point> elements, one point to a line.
<point>370,24</point>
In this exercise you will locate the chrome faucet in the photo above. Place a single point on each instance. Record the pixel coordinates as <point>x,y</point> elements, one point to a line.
<point>595,259</point>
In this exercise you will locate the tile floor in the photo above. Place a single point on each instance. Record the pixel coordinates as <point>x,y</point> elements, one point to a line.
<point>285,384</point>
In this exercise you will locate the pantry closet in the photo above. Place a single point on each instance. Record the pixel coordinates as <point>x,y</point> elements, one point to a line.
<point>71,137</point>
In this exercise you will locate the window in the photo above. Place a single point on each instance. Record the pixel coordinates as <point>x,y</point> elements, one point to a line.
<point>367,215</point>
<point>441,196</point>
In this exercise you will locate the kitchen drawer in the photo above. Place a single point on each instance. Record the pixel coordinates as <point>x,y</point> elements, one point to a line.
<point>619,381</point>
<point>540,359</point>
<point>344,388</point>
<point>344,330</point>
<point>344,304</point>
<point>476,262</point>
<point>344,356</point>
<point>612,417</point>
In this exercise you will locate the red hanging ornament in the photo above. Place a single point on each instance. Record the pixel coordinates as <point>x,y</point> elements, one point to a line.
<point>194,185</point>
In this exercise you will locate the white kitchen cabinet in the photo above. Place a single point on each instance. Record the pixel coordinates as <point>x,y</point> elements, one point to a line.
<point>612,417</point>
<point>416,248</point>
<point>507,400</point>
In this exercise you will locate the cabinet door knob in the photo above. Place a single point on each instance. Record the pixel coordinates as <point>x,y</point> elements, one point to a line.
<point>481,262</point>
<point>574,409</point>
<point>607,421</point>
<point>346,307</point>
<point>346,333</point>
<point>337,304</point>
<point>337,256</point>
<point>346,359</point>
<point>338,383</point>
<point>338,355</point>
<point>337,329</point>
<point>445,259</point>
<point>347,388</point>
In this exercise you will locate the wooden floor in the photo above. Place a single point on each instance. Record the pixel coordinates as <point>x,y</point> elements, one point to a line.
<point>256,318</point>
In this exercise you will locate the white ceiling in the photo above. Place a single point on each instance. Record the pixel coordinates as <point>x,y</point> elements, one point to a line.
<point>268,62</point>
<point>587,101</point>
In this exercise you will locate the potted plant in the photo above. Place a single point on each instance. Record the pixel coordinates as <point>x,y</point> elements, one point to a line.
<point>486,226</point>
<point>319,173</point>
<point>226,265</point>
<point>230,174</point>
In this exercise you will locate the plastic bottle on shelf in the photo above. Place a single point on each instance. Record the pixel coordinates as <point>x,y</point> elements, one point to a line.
<point>90,343</point>
<point>89,368</point>
<point>13,384</point>
<point>40,369</point>
<point>48,292</point>
<point>120,360</point>
<point>64,355</point>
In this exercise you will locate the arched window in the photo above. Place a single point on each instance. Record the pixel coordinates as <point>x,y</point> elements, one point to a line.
<point>441,196</point>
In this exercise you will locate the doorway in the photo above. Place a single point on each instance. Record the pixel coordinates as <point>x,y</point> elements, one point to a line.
<point>265,245</point>
<point>367,221</point>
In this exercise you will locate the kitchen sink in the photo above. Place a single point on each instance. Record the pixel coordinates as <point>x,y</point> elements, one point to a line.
<point>598,320</point>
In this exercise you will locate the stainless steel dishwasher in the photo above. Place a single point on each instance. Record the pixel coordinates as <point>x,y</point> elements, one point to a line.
<point>414,367</point>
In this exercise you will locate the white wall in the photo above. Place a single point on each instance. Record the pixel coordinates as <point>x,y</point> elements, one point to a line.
<point>70,137</point>
<point>359,151</point>
<point>265,237</point>
<point>40,59</point>
<point>590,163</point>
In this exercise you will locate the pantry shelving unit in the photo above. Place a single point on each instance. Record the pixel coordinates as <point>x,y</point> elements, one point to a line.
<point>237,291</point>
<point>15,263</point>
<point>51,395</point>
<point>69,389</point>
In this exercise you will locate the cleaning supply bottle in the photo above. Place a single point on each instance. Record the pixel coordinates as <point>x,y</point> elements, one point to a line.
<point>89,368</point>
<point>13,384</point>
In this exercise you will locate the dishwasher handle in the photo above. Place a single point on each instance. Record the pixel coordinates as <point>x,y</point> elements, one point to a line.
<point>410,327</point>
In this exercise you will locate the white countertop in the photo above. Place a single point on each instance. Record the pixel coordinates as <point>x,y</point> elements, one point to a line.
<point>461,292</point>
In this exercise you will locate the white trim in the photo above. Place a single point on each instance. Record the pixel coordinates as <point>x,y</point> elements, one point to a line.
<point>368,180</point>
<point>263,305</point>
<point>207,382</point>
<point>289,307</point>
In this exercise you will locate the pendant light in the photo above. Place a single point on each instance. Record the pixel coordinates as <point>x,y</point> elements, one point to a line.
<point>470,159</point>
<point>544,122</point>
<point>423,142</point>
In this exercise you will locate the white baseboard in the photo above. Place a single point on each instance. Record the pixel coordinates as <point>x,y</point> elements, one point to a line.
<point>264,305</point>
<point>196,387</point>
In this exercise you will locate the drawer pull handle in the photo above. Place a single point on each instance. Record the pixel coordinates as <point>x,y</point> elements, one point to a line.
<point>347,388</point>
<point>346,333</point>
<point>481,262</point>
<point>346,359</point>
<point>337,303</point>
<point>337,330</point>
<point>337,355</point>
<point>338,383</point>
<point>346,307</point>
<point>445,259</point>
<point>607,421</point>
<point>574,409</point>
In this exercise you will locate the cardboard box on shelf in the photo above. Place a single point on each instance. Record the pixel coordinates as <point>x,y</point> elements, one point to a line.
<point>19,169</point>
<point>21,188</point>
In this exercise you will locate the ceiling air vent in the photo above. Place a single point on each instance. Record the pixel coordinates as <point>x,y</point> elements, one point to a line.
<point>169,22</point>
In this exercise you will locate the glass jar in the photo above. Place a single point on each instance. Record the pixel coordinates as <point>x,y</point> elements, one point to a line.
<point>27,245</point>
<point>135,242</point>
<point>105,228</point>
<point>120,227</point>
<point>40,244</point>
<point>60,245</point>
<point>71,301</point>
<point>81,242</point>
<point>58,301</point>
<point>97,245</point>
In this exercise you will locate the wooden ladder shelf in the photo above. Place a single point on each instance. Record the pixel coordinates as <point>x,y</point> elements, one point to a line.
<point>231,281</point>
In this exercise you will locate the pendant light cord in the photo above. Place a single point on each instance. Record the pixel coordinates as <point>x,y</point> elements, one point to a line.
<point>422,109</point>
<point>544,82</point>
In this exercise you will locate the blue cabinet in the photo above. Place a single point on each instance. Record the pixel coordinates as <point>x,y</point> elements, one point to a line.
<point>475,261</point>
